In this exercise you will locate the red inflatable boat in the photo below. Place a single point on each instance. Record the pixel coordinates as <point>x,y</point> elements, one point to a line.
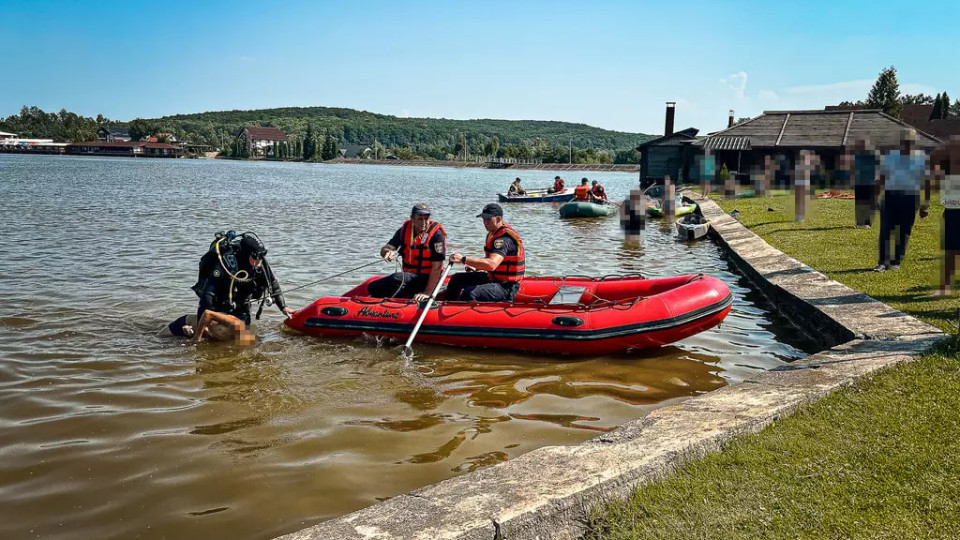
<point>573,315</point>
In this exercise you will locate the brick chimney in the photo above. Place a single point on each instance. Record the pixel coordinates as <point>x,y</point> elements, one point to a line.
<point>668,123</point>
<point>730,119</point>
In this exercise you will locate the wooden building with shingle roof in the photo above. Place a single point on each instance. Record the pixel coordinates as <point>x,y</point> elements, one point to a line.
<point>784,134</point>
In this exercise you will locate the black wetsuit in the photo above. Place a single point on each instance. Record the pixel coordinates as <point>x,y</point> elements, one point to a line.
<point>214,288</point>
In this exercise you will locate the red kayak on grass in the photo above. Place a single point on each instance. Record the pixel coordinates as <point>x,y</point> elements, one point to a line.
<point>571,315</point>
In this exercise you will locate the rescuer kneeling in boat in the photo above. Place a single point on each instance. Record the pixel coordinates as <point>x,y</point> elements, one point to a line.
<point>502,265</point>
<point>422,243</point>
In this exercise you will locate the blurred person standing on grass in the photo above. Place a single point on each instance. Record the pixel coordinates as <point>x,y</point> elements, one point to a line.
<point>902,172</point>
<point>706,169</point>
<point>946,169</point>
<point>801,186</point>
<point>866,162</point>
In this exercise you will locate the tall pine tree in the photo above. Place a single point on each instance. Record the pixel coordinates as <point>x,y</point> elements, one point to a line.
<point>309,145</point>
<point>945,105</point>
<point>937,111</point>
<point>885,94</point>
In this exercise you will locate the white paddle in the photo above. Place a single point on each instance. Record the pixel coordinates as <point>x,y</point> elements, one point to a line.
<point>407,351</point>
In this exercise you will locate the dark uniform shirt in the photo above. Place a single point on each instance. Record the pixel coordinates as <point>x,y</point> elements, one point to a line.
<point>504,246</point>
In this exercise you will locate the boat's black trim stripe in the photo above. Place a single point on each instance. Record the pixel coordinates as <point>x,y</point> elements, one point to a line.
<point>525,333</point>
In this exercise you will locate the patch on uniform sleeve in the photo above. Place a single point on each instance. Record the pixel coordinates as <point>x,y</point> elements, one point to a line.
<point>498,243</point>
<point>216,273</point>
<point>438,247</point>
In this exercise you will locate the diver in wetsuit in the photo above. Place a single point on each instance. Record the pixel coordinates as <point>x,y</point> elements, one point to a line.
<point>239,276</point>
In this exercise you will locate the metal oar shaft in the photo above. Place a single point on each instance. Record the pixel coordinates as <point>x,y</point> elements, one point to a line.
<point>426,308</point>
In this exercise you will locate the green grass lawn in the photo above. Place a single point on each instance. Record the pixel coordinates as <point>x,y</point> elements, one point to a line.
<point>878,459</point>
<point>827,241</point>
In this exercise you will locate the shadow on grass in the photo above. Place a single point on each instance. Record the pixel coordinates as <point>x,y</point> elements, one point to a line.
<point>809,229</point>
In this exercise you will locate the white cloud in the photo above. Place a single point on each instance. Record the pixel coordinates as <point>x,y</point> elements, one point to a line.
<point>736,82</point>
<point>247,59</point>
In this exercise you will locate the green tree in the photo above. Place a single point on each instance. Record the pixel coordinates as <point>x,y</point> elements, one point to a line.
<point>937,111</point>
<point>885,94</point>
<point>309,144</point>
<point>945,105</point>
<point>140,128</point>
<point>917,99</point>
<point>492,146</point>
<point>724,173</point>
<point>955,108</point>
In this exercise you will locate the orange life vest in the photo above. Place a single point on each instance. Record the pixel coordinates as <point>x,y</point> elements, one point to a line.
<point>417,250</point>
<point>582,193</point>
<point>512,266</point>
<point>558,184</point>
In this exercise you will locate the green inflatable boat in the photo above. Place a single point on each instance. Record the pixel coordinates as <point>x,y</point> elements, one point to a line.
<point>681,210</point>
<point>577,209</point>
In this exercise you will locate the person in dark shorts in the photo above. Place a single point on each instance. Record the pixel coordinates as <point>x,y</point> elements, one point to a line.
<point>866,162</point>
<point>945,161</point>
<point>213,325</point>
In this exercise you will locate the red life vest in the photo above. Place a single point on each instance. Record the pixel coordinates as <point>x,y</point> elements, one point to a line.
<point>582,193</point>
<point>599,192</point>
<point>558,184</point>
<point>512,266</point>
<point>417,251</point>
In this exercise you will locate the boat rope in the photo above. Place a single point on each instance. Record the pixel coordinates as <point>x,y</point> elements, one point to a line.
<point>335,275</point>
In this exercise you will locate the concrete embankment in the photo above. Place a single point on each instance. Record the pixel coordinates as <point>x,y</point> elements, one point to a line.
<point>545,493</point>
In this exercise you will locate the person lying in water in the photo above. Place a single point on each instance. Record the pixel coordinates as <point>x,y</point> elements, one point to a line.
<point>212,325</point>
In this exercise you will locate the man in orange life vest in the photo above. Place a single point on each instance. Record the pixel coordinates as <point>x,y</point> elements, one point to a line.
<point>599,194</point>
<point>557,185</point>
<point>422,243</point>
<point>582,192</point>
<point>502,264</point>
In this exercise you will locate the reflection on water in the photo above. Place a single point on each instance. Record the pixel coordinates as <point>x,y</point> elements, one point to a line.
<point>111,432</point>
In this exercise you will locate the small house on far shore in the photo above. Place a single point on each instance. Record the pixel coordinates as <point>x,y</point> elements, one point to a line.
<point>260,139</point>
<point>350,150</point>
<point>5,135</point>
<point>114,134</point>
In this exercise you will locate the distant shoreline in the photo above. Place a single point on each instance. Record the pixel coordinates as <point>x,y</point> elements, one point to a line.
<point>599,167</point>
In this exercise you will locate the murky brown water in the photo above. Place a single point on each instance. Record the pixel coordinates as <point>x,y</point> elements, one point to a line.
<point>111,432</point>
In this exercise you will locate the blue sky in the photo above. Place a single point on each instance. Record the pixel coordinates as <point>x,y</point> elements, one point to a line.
<point>604,63</point>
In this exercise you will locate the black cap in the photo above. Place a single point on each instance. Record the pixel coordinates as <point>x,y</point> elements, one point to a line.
<point>518,179</point>
<point>491,210</point>
<point>556,177</point>
<point>421,209</point>
<point>252,245</point>
<point>595,182</point>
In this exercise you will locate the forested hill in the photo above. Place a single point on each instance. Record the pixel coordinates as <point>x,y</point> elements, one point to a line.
<point>428,137</point>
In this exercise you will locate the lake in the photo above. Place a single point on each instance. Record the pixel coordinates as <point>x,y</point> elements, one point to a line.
<point>112,432</point>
